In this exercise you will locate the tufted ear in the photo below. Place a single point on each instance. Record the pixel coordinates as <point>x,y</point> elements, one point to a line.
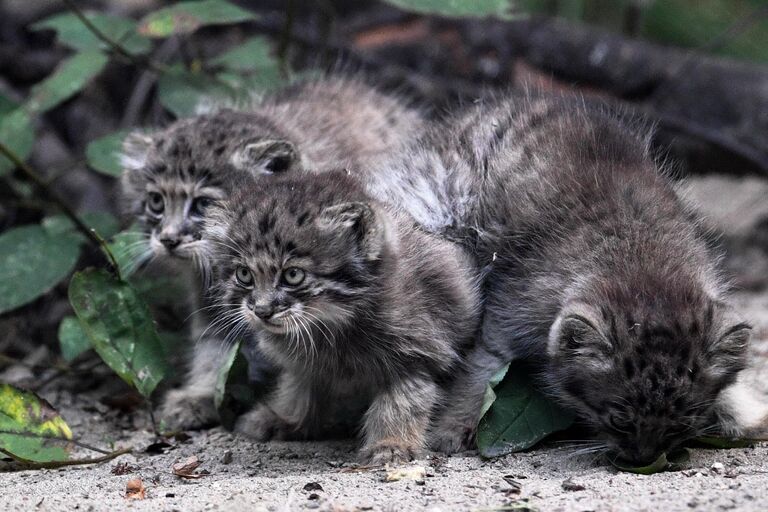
<point>359,220</point>
<point>575,334</point>
<point>266,157</point>
<point>136,148</point>
<point>727,354</point>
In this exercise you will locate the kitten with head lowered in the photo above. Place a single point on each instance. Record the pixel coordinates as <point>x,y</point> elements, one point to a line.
<point>174,175</point>
<point>594,269</point>
<point>365,315</point>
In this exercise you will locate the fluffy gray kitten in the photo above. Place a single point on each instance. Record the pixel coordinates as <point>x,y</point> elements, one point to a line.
<point>594,269</point>
<point>172,177</point>
<point>364,314</point>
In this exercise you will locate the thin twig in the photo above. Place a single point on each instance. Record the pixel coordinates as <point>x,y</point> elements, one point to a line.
<point>116,47</point>
<point>38,180</point>
<point>28,464</point>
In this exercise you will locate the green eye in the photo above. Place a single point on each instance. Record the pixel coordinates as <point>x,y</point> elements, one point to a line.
<point>293,276</point>
<point>155,203</point>
<point>244,277</point>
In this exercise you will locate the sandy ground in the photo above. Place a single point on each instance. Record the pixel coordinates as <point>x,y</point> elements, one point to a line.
<point>295,476</point>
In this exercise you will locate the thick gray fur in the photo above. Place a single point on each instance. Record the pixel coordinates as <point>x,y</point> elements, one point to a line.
<point>594,269</point>
<point>374,330</point>
<point>313,126</point>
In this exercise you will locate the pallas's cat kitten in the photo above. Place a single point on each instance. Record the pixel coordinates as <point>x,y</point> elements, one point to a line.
<point>364,314</point>
<point>172,177</point>
<point>594,269</point>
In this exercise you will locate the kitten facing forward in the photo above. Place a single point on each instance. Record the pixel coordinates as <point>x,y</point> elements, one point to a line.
<point>363,313</point>
<point>594,269</point>
<point>174,175</point>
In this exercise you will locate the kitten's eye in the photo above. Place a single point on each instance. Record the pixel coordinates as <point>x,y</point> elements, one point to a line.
<point>155,203</point>
<point>199,205</point>
<point>293,276</point>
<point>244,277</point>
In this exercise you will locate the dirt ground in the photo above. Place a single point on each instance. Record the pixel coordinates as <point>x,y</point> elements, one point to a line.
<point>242,475</point>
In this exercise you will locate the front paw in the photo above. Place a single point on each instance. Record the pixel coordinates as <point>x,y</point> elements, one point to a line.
<point>388,452</point>
<point>452,437</point>
<point>261,424</point>
<point>183,409</point>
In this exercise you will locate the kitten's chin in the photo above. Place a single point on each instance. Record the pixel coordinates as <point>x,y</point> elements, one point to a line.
<point>268,325</point>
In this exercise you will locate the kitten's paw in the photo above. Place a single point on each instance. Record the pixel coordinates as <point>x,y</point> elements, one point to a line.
<point>453,437</point>
<point>262,424</point>
<point>185,410</point>
<point>388,452</point>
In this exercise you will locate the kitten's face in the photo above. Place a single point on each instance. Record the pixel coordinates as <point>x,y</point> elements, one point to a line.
<point>646,385</point>
<point>173,177</point>
<point>293,258</point>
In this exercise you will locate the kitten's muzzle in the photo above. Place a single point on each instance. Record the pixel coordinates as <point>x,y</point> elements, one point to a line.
<point>170,242</point>
<point>263,311</point>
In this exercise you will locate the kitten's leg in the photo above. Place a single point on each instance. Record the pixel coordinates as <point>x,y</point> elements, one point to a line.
<point>396,422</point>
<point>191,406</point>
<point>284,415</point>
<point>455,426</point>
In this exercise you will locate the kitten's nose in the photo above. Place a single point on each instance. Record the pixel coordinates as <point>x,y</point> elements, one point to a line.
<point>170,242</point>
<point>263,311</point>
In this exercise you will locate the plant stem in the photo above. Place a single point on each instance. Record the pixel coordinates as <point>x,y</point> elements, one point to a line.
<point>28,464</point>
<point>35,178</point>
<point>113,45</point>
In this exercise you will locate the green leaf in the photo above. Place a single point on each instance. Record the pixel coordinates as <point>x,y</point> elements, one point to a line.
<point>186,17</point>
<point>674,461</point>
<point>457,8</point>
<point>519,417</point>
<point>17,134</point>
<point>255,54</point>
<point>72,339</point>
<point>67,80</point>
<point>490,395</point>
<point>120,328</point>
<point>35,422</point>
<point>6,105</point>
<point>234,393</point>
<point>72,32</point>
<point>183,92</point>
<point>32,261</point>
<point>103,154</point>
<point>104,223</point>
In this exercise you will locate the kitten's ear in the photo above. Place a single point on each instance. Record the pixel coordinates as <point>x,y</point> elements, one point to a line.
<point>266,157</point>
<point>136,148</point>
<point>360,220</point>
<point>575,334</point>
<point>727,354</point>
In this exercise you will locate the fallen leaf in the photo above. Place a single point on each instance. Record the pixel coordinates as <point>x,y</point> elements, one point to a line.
<point>407,473</point>
<point>135,490</point>
<point>186,469</point>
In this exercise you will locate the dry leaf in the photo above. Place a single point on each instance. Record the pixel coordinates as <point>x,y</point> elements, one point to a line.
<point>186,469</point>
<point>410,473</point>
<point>135,490</point>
